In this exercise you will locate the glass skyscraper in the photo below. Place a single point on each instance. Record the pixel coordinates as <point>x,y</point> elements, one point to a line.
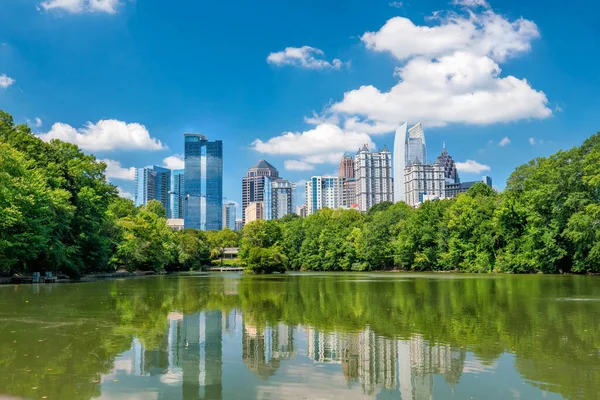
<point>178,193</point>
<point>203,183</point>
<point>409,146</point>
<point>153,183</point>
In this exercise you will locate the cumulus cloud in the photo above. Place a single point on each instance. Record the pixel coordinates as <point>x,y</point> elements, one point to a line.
<point>471,166</point>
<point>296,165</point>
<point>370,127</point>
<point>504,142</point>
<point>324,144</point>
<point>174,162</point>
<point>125,194</point>
<point>114,170</point>
<point>459,88</point>
<point>81,6</point>
<point>483,34</point>
<point>5,81</point>
<point>325,118</point>
<point>303,57</point>
<point>471,3</point>
<point>105,135</point>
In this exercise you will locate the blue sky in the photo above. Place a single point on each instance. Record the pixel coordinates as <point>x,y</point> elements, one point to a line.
<point>125,79</point>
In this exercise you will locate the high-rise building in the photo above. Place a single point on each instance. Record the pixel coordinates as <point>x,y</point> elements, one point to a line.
<point>346,168</point>
<point>283,198</point>
<point>203,183</point>
<point>409,145</point>
<point>178,193</point>
<point>253,184</point>
<point>450,171</point>
<point>487,180</point>
<point>229,214</point>
<point>302,211</point>
<point>374,183</point>
<point>239,224</point>
<point>254,211</point>
<point>324,191</point>
<point>153,183</point>
<point>349,196</point>
<point>424,182</point>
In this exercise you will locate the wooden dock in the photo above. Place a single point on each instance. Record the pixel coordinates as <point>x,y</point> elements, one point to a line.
<point>225,269</point>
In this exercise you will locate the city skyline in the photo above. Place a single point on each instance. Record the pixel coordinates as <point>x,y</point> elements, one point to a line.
<point>353,81</point>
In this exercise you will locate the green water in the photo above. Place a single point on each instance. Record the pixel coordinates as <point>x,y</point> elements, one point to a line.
<point>317,336</point>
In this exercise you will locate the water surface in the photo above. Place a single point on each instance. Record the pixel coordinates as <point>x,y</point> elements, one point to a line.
<point>305,336</point>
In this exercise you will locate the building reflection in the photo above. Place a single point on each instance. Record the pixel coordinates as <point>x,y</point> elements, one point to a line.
<point>263,348</point>
<point>190,358</point>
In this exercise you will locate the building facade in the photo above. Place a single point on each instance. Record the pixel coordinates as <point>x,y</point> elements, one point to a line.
<point>203,183</point>
<point>409,145</point>
<point>229,215</point>
<point>346,172</point>
<point>178,193</point>
<point>153,183</point>
<point>253,184</point>
<point>283,198</point>
<point>450,171</point>
<point>346,167</point>
<point>453,190</point>
<point>254,211</point>
<point>324,191</point>
<point>424,182</point>
<point>374,182</point>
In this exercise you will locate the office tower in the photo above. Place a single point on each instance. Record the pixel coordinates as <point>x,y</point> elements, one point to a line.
<point>153,183</point>
<point>178,194</point>
<point>346,172</point>
<point>409,145</point>
<point>487,180</point>
<point>323,191</point>
<point>283,194</point>
<point>374,183</point>
<point>203,183</point>
<point>239,224</point>
<point>302,211</point>
<point>450,171</point>
<point>253,184</point>
<point>424,182</point>
<point>229,215</point>
<point>254,211</point>
<point>346,168</point>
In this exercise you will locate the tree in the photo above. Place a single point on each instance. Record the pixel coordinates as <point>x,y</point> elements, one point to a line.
<point>219,240</point>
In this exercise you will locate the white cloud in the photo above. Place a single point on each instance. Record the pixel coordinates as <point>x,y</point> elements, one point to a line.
<point>504,142</point>
<point>370,127</point>
<point>125,194</point>
<point>5,81</point>
<point>471,166</point>
<point>324,144</point>
<point>396,4</point>
<point>174,162</point>
<point>38,122</point>
<point>484,34</point>
<point>304,57</point>
<point>81,6</point>
<point>325,118</point>
<point>105,135</point>
<point>296,165</point>
<point>458,88</point>
<point>471,3</point>
<point>114,170</point>
<point>534,141</point>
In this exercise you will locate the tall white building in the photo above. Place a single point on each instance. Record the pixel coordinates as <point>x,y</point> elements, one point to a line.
<point>424,182</point>
<point>324,191</point>
<point>373,173</point>
<point>409,145</point>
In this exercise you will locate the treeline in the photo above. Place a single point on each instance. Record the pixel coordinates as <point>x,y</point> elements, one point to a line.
<point>58,213</point>
<point>547,220</point>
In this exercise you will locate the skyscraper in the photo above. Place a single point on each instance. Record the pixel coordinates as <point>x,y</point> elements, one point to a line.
<point>424,182</point>
<point>178,193</point>
<point>253,184</point>
<point>409,145</point>
<point>153,183</point>
<point>203,183</point>
<point>229,214</point>
<point>374,183</point>
<point>323,191</point>
<point>450,171</point>
<point>346,172</point>
<point>283,195</point>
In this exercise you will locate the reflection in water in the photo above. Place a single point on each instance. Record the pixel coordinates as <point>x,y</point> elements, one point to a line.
<point>313,336</point>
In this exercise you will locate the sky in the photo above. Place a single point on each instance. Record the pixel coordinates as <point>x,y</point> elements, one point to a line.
<point>299,83</point>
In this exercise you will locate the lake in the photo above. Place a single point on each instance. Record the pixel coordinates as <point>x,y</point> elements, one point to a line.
<point>303,336</point>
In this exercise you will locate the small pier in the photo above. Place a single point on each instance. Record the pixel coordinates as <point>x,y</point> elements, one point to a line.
<point>225,269</point>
